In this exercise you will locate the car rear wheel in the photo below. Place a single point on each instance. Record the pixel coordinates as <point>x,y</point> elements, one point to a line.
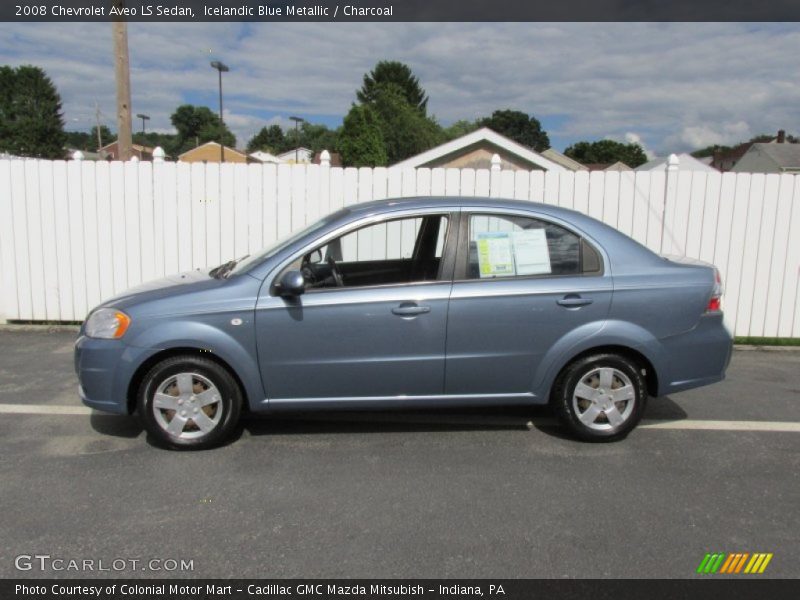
<point>601,397</point>
<point>189,402</point>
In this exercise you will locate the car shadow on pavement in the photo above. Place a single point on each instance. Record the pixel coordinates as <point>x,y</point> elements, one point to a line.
<point>393,421</point>
<point>461,419</point>
<point>327,422</point>
<point>116,425</point>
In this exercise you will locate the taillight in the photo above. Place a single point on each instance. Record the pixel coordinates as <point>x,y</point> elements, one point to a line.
<point>715,303</point>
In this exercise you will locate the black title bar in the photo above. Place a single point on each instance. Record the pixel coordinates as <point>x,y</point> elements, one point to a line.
<point>394,589</point>
<point>400,10</point>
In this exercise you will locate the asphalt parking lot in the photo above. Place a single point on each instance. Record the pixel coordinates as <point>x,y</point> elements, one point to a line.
<point>475,493</point>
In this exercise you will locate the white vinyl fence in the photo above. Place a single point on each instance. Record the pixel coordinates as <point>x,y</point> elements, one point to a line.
<point>74,233</point>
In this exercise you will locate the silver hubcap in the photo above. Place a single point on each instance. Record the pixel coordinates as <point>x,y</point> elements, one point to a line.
<point>604,398</point>
<point>187,405</point>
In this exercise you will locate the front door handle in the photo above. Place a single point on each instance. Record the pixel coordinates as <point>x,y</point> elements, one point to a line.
<point>573,301</point>
<point>409,309</point>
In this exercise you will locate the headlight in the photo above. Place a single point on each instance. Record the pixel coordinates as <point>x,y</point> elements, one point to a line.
<point>107,323</point>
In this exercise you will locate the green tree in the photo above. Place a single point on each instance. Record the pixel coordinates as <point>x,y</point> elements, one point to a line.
<point>361,142</point>
<point>198,125</point>
<point>81,140</point>
<point>106,137</point>
<point>520,127</point>
<point>269,139</point>
<point>152,139</point>
<point>460,128</point>
<point>406,131</point>
<point>317,137</point>
<point>31,123</point>
<point>710,150</point>
<point>607,151</point>
<point>393,72</point>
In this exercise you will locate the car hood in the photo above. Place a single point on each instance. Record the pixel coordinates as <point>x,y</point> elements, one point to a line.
<point>160,288</point>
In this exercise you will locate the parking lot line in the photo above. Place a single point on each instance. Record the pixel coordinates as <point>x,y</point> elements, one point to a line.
<point>723,425</point>
<point>44,409</point>
<point>686,424</point>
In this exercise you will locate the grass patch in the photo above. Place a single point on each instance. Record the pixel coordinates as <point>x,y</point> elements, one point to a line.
<point>766,341</point>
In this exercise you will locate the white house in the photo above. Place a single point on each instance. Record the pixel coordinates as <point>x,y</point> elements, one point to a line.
<point>686,162</point>
<point>475,151</point>
<point>266,157</point>
<point>299,155</point>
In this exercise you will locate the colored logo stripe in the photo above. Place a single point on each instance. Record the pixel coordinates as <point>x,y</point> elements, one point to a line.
<point>722,562</point>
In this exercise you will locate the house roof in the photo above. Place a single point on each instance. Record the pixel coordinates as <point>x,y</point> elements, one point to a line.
<point>137,147</point>
<point>484,134</point>
<point>785,156</point>
<point>686,162</point>
<point>616,166</point>
<point>227,149</point>
<point>564,160</point>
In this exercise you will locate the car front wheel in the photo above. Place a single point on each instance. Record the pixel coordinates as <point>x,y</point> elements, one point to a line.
<point>189,402</point>
<point>601,397</point>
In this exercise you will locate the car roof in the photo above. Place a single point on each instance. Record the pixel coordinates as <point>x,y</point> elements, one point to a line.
<point>568,215</point>
<point>422,202</point>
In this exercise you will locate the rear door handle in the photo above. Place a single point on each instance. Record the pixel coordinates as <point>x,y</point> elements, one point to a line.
<point>573,301</point>
<point>409,309</point>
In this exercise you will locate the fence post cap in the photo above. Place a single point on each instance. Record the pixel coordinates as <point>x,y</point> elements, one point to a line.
<point>672,162</point>
<point>134,158</point>
<point>159,154</point>
<point>77,155</point>
<point>496,162</point>
<point>325,158</point>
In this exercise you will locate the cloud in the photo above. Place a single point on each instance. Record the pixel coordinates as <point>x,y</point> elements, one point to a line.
<point>635,138</point>
<point>676,85</point>
<point>700,136</point>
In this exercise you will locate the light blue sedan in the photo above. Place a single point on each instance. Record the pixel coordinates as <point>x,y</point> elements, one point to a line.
<point>422,302</point>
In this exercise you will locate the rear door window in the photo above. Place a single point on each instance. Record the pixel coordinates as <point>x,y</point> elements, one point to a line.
<point>502,246</point>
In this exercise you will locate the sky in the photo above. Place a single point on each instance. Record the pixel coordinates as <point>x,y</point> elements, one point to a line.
<point>672,87</point>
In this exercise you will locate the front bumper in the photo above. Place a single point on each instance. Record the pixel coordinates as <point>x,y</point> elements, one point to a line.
<point>104,369</point>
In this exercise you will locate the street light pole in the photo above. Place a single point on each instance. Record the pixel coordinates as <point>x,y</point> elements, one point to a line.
<point>144,118</point>
<point>220,67</point>
<point>297,121</point>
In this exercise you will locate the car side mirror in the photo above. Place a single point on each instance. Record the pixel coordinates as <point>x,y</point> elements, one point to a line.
<point>292,284</point>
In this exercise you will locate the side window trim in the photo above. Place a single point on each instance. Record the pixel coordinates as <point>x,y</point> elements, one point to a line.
<point>461,274</point>
<point>446,265</point>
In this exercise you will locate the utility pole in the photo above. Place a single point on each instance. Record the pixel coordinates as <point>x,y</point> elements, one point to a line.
<point>97,118</point>
<point>221,68</point>
<point>123,77</point>
<point>297,121</point>
<point>144,118</point>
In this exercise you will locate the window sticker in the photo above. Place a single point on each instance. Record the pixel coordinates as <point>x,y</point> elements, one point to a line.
<point>495,257</point>
<point>531,255</point>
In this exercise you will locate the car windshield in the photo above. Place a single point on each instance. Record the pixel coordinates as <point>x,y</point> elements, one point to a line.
<point>249,262</point>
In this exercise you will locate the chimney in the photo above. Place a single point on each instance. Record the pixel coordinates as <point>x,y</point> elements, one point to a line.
<point>716,160</point>
<point>781,136</point>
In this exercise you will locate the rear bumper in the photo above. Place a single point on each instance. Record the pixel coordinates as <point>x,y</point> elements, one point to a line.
<point>698,357</point>
<point>104,369</point>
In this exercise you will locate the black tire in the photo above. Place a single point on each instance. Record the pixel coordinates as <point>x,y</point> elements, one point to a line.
<point>601,429</point>
<point>229,403</point>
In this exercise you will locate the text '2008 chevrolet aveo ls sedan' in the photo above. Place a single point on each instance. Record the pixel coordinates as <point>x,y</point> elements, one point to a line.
<point>412,303</point>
